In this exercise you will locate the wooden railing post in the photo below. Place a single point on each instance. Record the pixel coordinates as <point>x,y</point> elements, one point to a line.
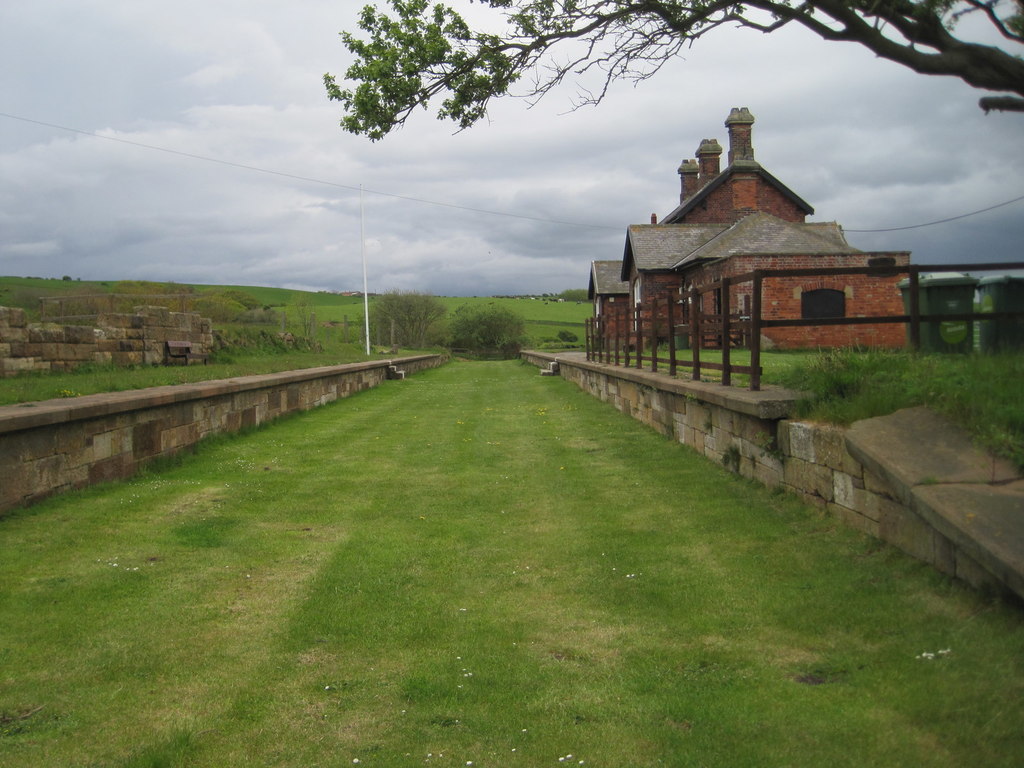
<point>755,331</point>
<point>695,313</point>
<point>654,335</point>
<point>726,334</point>
<point>915,308</point>
<point>638,322</point>
<point>671,338</point>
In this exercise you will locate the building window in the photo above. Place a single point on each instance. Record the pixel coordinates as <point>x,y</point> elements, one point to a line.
<point>822,303</point>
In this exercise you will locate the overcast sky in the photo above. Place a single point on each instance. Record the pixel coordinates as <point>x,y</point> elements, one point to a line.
<point>867,143</point>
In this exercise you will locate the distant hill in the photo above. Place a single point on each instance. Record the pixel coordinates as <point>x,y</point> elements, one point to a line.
<point>544,316</point>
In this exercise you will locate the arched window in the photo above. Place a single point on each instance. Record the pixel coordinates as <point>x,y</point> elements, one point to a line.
<point>822,303</point>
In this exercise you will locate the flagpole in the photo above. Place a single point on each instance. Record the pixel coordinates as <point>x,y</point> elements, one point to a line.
<point>362,251</point>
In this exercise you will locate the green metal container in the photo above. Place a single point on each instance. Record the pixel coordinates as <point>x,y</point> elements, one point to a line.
<point>682,334</point>
<point>1001,293</point>
<point>944,293</point>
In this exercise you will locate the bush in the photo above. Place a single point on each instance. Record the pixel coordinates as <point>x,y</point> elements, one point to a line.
<point>488,329</point>
<point>407,318</point>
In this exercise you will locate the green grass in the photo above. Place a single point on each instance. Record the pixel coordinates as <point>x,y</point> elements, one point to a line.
<point>982,393</point>
<point>479,564</point>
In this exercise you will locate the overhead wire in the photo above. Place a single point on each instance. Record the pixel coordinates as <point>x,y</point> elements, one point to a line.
<point>309,179</point>
<point>941,221</point>
<point>313,180</point>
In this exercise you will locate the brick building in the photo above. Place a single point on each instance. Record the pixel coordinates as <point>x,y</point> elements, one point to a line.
<point>609,293</point>
<point>732,221</point>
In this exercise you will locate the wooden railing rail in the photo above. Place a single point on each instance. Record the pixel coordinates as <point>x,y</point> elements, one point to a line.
<point>632,337</point>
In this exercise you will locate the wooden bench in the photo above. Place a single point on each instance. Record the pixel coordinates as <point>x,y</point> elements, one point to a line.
<point>180,353</point>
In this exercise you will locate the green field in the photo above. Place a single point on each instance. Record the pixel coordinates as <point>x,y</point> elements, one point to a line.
<point>480,566</point>
<point>544,317</point>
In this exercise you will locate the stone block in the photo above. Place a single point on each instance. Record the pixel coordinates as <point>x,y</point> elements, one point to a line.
<point>878,485</point>
<point>115,468</point>
<point>79,334</point>
<point>755,430</point>
<point>769,474</point>
<point>969,570</point>
<point>829,445</point>
<point>176,438</point>
<point>11,317</point>
<point>724,420</point>
<point>108,321</point>
<point>14,334</point>
<point>808,477</point>
<point>45,333</point>
<point>910,533</point>
<point>154,315</point>
<point>12,365</point>
<point>45,474</point>
<point>854,519</point>
<point>798,439</point>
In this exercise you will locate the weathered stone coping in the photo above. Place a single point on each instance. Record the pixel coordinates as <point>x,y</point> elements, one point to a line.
<point>768,403</point>
<point>63,410</point>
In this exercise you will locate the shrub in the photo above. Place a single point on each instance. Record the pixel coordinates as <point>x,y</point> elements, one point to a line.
<point>488,329</point>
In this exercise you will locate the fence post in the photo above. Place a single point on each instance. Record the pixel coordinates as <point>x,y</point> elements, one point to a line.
<point>654,335</point>
<point>671,338</point>
<point>695,331</point>
<point>915,309</point>
<point>639,318</point>
<point>618,334</point>
<point>626,324</point>
<point>726,334</point>
<point>755,331</point>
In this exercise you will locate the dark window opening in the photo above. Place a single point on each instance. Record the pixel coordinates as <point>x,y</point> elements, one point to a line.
<point>822,303</point>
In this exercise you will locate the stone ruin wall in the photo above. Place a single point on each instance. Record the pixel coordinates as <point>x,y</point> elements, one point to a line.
<point>120,339</point>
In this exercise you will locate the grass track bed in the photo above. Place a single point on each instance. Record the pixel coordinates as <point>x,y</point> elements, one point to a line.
<point>481,565</point>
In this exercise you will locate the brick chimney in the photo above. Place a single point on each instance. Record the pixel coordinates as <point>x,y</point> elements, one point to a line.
<point>688,171</point>
<point>739,124</point>
<point>709,158</point>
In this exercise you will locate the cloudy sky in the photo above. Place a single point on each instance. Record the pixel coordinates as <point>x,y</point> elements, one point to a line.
<point>193,142</point>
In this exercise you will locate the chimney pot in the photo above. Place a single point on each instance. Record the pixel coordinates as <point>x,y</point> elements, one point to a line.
<point>688,171</point>
<point>709,155</point>
<point>739,124</point>
<point>654,218</point>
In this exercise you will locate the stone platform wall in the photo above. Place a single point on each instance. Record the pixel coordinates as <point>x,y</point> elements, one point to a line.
<point>121,339</point>
<point>749,433</point>
<point>57,445</point>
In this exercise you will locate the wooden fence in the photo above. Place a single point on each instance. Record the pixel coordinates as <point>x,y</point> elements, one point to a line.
<point>641,333</point>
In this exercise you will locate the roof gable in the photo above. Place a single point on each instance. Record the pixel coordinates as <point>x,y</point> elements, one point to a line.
<point>661,246</point>
<point>739,166</point>
<point>605,279</point>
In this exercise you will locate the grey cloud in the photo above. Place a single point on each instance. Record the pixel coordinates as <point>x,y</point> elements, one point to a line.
<point>866,143</point>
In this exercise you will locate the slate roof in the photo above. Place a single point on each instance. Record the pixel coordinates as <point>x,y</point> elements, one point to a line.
<point>763,234</point>
<point>605,279</point>
<point>737,166</point>
<point>661,246</point>
<point>654,247</point>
